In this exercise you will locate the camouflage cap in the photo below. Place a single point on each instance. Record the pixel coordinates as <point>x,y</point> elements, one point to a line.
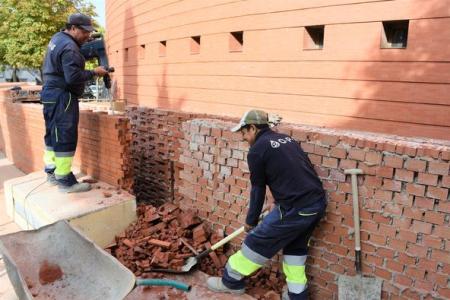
<point>252,117</point>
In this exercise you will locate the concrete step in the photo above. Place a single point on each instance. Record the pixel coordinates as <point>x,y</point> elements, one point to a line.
<point>32,203</point>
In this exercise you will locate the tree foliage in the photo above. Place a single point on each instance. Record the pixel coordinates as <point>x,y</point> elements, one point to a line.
<point>27,26</point>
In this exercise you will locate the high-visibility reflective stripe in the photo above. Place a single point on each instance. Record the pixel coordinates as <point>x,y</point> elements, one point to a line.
<point>242,264</point>
<point>233,273</point>
<point>65,154</point>
<point>295,288</point>
<point>295,260</point>
<point>295,274</point>
<point>49,148</point>
<point>49,159</point>
<point>253,256</point>
<point>63,165</point>
<point>304,214</point>
<point>68,104</point>
<point>56,133</point>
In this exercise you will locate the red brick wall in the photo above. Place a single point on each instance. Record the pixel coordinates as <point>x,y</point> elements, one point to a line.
<point>352,83</point>
<point>404,203</point>
<point>404,194</point>
<point>102,141</point>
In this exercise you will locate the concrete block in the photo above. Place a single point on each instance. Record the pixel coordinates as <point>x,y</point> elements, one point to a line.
<point>32,203</point>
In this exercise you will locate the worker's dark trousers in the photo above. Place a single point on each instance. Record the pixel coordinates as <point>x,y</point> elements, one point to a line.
<point>289,230</point>
<point>61,114</point>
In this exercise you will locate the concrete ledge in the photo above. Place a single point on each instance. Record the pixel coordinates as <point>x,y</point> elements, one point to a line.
<point>32,203</point>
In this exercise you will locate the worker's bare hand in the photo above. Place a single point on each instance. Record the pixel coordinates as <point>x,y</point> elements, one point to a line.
<point>100,71</point>
<point>248,228</point>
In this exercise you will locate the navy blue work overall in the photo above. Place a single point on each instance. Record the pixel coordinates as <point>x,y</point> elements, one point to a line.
<point>64,80</point>
<point>277,161</point>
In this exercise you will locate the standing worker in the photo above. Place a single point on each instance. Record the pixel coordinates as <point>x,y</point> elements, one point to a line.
<point>277,161</point>
<point>64,81</point>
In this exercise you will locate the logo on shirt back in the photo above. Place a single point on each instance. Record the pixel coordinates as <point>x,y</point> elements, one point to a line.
<point>277,143</point>
<point>52,46</point>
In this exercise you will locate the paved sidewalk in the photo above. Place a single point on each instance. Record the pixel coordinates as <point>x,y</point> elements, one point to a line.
<point>7,171</point>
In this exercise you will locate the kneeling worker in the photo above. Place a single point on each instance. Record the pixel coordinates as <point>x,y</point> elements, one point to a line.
<point>275,160</point>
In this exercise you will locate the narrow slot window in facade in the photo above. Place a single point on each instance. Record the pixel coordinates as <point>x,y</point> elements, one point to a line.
<point>141,54</point>
<point>125,54</point>
<point>395,34</point>
<point>313,37</point>
<point>236,41</point>
<point>162,48</point>
<point>195,44</point>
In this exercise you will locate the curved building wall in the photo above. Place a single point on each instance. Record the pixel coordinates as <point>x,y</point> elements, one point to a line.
<point>351,83</point>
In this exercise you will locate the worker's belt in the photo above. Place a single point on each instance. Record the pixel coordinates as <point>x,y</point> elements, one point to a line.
<point>54,81</point>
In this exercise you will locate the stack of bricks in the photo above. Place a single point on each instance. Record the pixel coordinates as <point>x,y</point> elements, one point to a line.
<point>404,203</point>
<point>103,141</point>
<point>103,148</point>
<point>155,149</point>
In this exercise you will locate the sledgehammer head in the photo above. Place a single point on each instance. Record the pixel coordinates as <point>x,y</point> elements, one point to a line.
<point>353,171</point>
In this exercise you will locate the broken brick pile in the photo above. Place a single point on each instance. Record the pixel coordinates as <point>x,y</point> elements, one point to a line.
<point>404,210</point>
<point>164,237</point>
<point>103,141</point>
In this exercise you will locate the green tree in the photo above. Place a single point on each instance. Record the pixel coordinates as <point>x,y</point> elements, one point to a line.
<point>27,26</point>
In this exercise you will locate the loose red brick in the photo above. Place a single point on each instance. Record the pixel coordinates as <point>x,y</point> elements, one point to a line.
<point>385,252</point>
<point>338,152</point>
<point>320,150</point>
<point>383,273</point>
<point>441,256</point>
<point>381,219</point>
<point>416,165</point>
<point>433,242</point>
<point>392,185</point>
<point>404,175</point>
<point>407,235</point>
<point>442,231</point>
<point>357,154</point>
<point>419,226</point>
<point>387,230</point>
<point>398,245</point>
<point>347,164</point>
<point>329,162</point>
<point>437,193</point>
<point>372,181</point>
<point>403,199</point>
<point>426,264</point>
<point>439,168</point>
<point>394,266</point>
<point>373,158</point>
<point>381,195</point>
<point>445,181</point>
<point>428,179</point>
<point>393,162</point>
<point>444,292</point>
<point>415,189</point>
<point>434,217</point>
<point>413,213</point>
<point>386,172</point>
<point>422,202</point>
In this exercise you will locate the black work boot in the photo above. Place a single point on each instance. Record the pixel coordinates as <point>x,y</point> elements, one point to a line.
<point>51,179</point>
<point>69,184</point>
